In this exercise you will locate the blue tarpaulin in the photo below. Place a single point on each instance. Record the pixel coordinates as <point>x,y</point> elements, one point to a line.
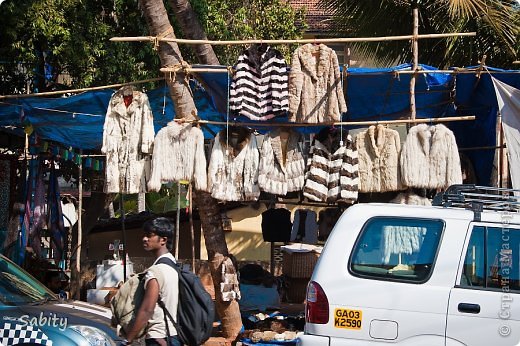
<point>371,94</point>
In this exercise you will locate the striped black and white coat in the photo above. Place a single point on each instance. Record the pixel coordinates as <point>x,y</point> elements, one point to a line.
<point>332,169</point>
<point>259,89</point>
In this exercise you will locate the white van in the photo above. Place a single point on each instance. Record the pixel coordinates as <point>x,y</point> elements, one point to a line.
<point>415,275</point>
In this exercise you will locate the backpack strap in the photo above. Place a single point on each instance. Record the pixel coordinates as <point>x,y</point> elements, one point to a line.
<point>171,263</point>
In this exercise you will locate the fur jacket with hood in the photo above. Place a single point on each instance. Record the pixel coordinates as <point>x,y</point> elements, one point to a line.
<point>315,91</point>
<point>332,174</point>
<point>282,168</point>
<point>233,166</point>
<point>178,154</point>
<point>430,158</point>
<point>128,135</point>
<point>259,87</point>
<point>378,153</point>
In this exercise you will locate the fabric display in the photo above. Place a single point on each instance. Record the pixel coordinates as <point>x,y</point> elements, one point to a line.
<point>128,135</point>
<point>410,197</point>
<point>229,286</point>
<point>401,240</point>
<point>55,223</point>
<point>178,155</point>
<point>276,225</point>
<point>233,166</point>
<point>39,212</point>
<point>305,227</point>
<point>282,166</point>
<point>327,219</point>
<point>430,158</point>
<point>259,87</point>
<point>378,154</point>
<point>332,168</point>
<point>315,91</point>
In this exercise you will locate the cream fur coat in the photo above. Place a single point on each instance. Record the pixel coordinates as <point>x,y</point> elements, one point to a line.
<point>276,175</point>
<point>378,154</point>
<point>233,169</point>
<point>128,135</point>
<point>178,154</point>
<point>430,158</point>
<point>315,91</point>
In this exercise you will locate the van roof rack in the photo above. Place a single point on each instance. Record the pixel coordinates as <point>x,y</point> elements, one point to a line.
<point>479,198</point>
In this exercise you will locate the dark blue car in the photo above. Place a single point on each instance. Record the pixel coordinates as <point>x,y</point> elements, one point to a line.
<point>30,314</point>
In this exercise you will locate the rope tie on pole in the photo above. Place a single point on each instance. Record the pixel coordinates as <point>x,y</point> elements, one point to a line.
<point>155,40</point>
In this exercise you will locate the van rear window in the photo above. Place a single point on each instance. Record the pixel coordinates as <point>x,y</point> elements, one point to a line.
<point>398,249</point>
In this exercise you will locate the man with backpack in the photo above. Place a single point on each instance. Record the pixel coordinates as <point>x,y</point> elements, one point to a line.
<point>161,284</point>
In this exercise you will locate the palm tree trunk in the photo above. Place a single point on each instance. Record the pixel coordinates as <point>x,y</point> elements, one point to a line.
<point>158,23</point>
<point>192,29</point>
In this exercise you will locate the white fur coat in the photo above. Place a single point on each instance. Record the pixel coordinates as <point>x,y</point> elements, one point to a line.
<point>178,154</point>
<point>378,154</point>
<point>128,135</point>
<point>315,91</point>
<point>233,169</point>
<point>430,158</point>
<point>276,175</point>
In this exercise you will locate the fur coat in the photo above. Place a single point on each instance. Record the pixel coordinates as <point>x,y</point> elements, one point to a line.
<point>233,166</point>
<point>315,91</point>
<point>378,153</point>
<point>332,174</point>
<point>430,158</point>
<point>178,154</point>
<point>281,169</point>
<point>128,135</point>
<point>259,87</point>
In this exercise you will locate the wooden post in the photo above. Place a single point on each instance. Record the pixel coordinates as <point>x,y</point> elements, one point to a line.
<point>178,220</point>
<point>123,231</point>
<point>415,54</point>
<point>80,224</point>
<point>190,191</point>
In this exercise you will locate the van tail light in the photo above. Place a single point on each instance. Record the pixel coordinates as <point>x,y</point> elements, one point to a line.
<point>317,305</point>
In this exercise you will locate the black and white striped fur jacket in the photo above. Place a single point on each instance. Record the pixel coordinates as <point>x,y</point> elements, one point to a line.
<point>332,174</point>
<point>259,89</point>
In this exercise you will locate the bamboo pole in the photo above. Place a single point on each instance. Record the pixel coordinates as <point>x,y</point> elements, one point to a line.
<point>80,225</point>
<point>415,55</point>
<point>61,92</point>
<point>298,41</point>
<point>192,230</point>
<point>344,123</point>
<point>177,233</point>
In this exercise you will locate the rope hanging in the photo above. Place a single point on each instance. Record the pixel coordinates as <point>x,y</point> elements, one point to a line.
<point>155,40</point>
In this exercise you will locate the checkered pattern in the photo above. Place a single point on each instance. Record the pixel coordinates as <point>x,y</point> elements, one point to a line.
<point>18,333</point>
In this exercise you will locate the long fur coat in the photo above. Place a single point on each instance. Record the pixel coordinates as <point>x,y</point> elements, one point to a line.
<point>233,166</point>
<point>332,174</point>
<point>315,92</point>
<point>281,171</point>
<point>178,154</point>
<point>430,158</point>
<point>128,135</point>
<point>378,153</point>
<point>259,87</point>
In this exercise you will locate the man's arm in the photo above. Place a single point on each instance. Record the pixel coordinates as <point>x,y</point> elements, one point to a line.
<point>145,312</point>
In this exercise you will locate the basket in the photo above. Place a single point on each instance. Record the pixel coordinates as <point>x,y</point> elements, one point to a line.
<point>299,264</point>
<point>297,290</point>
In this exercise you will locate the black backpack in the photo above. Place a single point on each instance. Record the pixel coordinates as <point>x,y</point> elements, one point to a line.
<point>195,312</point>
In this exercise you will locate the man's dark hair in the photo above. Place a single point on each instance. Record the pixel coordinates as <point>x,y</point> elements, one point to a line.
<point>163,227</point>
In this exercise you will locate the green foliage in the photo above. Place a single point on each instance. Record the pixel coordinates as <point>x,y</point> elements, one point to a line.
<point>241,20</point>
<point>493,21</point>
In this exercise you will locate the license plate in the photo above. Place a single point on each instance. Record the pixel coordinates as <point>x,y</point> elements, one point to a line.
<point>347,318</point>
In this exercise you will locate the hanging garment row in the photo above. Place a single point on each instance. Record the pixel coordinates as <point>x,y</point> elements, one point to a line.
<point>337,166</point>
<point>262,88</point>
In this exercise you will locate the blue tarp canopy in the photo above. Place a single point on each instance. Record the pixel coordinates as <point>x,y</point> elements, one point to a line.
<point>372,94</point>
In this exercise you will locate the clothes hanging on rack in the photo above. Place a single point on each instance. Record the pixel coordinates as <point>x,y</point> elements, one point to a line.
<point>332,174</point>
<point>178,154</point>
<point>327,219</point>
<point>233,166</point>
<point>276,225</point>
<point>55,216</point>
<point>430,158</point>
<point>378,153</point>
<point>410,197</point>
<point>128,135</point>
<point>315,91</point>
<point>39,213</point>
<point>305,227</point>
<point>282,166</point>
<point>259,87</point>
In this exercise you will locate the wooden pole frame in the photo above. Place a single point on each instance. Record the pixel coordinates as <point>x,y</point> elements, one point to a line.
<point>299,41</point>
<point>80,224</point>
